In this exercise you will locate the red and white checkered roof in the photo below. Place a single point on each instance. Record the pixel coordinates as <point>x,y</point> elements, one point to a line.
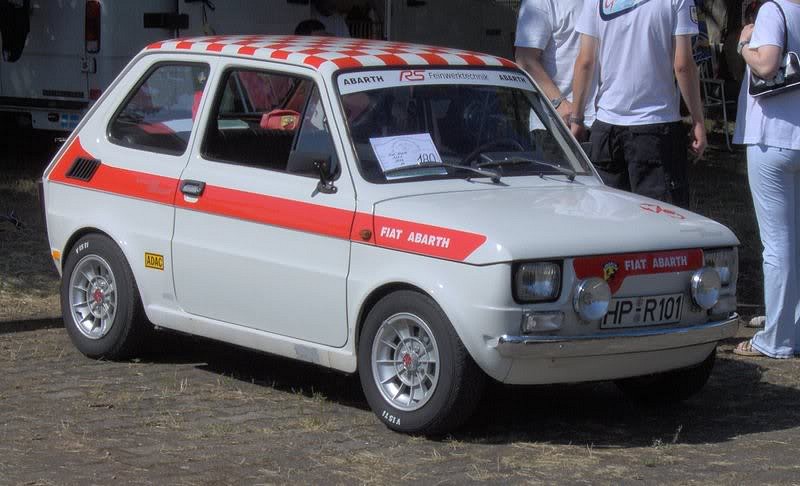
<point>329,54</point>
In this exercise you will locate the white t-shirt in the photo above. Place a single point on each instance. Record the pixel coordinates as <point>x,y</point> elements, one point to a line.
<point>636,53</point>
<point>772,120</point>
<point>549,25</point>
<point>334,23</point>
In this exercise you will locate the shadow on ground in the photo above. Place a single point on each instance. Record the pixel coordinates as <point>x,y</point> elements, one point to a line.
<point>736,401</point>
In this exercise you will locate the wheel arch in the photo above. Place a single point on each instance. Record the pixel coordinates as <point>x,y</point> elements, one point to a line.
<point>376,295</point>
<point>77,235</point>
<point>90,230</point>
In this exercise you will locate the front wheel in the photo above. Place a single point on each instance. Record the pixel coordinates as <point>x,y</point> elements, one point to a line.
<point>415,372</point>
<point>671,386</point>
<point>99,300</point>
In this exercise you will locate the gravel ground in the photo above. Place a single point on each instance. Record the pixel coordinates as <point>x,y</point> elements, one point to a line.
<point>196,412</point>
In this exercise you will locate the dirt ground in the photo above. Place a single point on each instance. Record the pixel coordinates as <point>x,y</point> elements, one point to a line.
<point>197,412</point>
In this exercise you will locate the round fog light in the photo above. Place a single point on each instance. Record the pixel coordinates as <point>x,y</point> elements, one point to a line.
<point>705,287</point>
<point>592,297</point>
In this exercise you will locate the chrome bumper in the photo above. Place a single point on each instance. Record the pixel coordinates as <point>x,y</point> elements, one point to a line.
<point>614,342</point>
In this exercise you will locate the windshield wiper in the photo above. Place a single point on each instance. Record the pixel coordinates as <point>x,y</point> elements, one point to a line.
<point>494,176</point>
<point>522,160</point>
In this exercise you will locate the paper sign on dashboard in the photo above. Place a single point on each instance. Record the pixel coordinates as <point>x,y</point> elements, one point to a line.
<point>404,150</point>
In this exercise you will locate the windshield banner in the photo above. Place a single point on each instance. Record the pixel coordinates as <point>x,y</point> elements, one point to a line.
<point>368,80</point>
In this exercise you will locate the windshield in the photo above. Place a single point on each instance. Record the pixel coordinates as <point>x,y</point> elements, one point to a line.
<point>439,124</point>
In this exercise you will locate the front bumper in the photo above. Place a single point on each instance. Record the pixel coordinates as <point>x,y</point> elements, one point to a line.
<point>616,342</point>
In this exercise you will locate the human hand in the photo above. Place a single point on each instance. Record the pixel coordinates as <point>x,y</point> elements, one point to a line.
<point>564,110</point>
<point>579,131</point>
<point>747,33</point>
<point>698,139</point>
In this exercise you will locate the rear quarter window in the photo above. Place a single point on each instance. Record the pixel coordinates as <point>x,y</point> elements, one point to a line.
<point>158,114</point>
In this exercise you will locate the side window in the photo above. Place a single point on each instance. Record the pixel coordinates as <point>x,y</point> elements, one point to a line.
<point>255,118</point>
<point>314,135</point>
<point>159,114</point>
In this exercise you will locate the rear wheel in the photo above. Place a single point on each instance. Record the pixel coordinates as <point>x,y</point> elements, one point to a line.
<point>99,300</point>
<point>415,372</point>
<point>670,387</point>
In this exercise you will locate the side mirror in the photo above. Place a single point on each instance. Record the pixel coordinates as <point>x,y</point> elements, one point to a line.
<point>285,120</point>
<point>311,164</point>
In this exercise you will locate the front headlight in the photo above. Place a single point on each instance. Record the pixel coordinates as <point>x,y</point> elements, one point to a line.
<point>725,261</point>
<point>537,282</point>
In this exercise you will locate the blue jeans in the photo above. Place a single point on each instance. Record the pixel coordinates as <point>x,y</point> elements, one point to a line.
<point>774,175</point>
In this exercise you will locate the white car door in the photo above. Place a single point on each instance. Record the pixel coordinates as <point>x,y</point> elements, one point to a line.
<point>255,245</point>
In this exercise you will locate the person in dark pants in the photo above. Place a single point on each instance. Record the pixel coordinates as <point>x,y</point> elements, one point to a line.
<point>638,142</point>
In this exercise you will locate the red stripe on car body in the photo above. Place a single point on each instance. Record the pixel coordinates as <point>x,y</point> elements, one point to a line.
<point>426,239</point>
<point>346,62</point>
<point>472,60</point>
<point>392,59</point>
<point>275,211</point>
<point>115,180</point>
<point>314,61</point>
<point>397,234</point>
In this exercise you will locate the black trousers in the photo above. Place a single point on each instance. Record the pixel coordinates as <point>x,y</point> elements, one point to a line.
<point>645,159</point>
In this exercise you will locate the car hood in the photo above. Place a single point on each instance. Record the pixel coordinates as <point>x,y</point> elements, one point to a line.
<point>505,224</point>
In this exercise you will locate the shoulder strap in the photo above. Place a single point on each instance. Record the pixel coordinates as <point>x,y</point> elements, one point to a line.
<point>785,26</point>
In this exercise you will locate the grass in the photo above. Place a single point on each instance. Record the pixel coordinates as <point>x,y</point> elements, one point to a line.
<point>28,278</point>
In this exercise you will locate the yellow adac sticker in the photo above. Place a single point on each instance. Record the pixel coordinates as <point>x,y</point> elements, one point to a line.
<point>154,260</point>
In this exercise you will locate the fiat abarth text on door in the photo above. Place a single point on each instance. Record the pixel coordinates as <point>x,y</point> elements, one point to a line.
<point>415,214</point>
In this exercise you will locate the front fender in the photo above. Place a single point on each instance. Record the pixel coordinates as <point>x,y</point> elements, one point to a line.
<point>476,299</point>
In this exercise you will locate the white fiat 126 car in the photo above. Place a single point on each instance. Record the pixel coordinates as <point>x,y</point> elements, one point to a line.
<point>418,215</point>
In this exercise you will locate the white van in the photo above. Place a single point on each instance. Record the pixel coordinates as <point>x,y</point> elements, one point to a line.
<point>60,57</point>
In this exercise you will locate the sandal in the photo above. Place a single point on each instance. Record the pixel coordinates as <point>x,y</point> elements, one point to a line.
<point>745,348</point>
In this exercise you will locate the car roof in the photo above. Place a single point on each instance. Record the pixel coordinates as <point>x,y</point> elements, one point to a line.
<point>330,54</point>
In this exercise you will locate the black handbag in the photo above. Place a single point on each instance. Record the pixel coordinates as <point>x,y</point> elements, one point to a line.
<point>788,75</point>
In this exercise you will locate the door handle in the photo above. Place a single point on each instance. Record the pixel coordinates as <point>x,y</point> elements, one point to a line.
<point>192,188</point>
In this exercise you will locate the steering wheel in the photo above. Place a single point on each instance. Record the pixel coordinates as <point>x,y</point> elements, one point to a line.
<point>500,142</point>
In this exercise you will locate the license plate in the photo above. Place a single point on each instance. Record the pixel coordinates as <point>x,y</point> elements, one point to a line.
<point>644,311</point>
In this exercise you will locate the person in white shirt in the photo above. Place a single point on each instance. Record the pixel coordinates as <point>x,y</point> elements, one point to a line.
<point>638,141</point>
<point>770,127</point>
<point>334,22</point>
<point>546,46</point>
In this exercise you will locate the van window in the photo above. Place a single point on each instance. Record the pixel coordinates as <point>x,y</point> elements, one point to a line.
<point>159,113</point>
<point>255,118</point>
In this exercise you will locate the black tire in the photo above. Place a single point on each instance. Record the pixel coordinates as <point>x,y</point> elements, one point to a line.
<point>670,387</point>
<point>128,327</point>
<point>460,382</point>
